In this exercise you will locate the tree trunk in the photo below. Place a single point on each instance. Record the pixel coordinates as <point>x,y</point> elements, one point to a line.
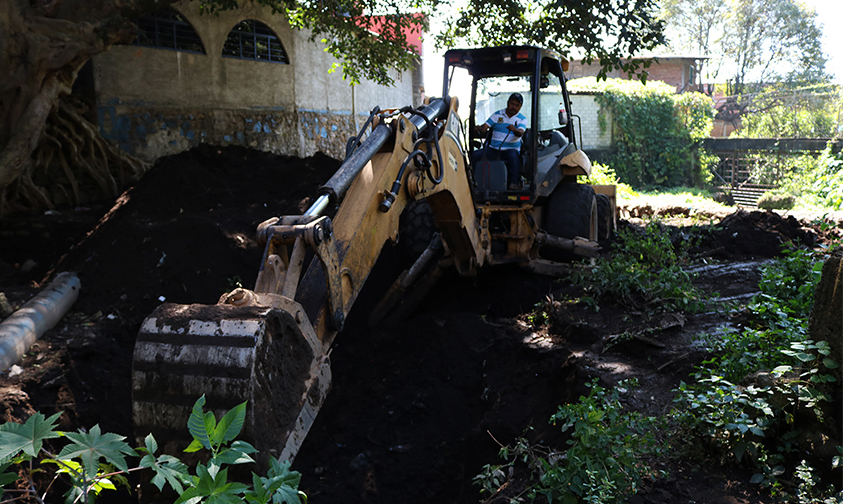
<point>43,44</point>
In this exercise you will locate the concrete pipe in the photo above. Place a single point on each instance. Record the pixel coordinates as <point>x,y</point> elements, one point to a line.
<point>37,316</point>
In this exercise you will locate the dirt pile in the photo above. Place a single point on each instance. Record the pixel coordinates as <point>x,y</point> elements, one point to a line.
<point>754,234</point>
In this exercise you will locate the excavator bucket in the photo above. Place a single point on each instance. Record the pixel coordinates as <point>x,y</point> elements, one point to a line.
<point>269,357</point>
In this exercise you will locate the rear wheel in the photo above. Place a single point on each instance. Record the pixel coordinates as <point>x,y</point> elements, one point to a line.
<point>571,213</point>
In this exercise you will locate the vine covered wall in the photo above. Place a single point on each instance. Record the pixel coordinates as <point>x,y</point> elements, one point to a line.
<point>656,132</point>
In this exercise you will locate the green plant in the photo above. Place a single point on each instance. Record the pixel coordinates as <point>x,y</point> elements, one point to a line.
<point>605,459</point>
<point>539,316</point>
<point>763,386</point>
<point>790,281</point>
<point>645,272</point>
<point>95,461</point>
<point>604,175</point>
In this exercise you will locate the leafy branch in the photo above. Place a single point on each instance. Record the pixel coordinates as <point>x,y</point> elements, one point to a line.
<point>95,461</point>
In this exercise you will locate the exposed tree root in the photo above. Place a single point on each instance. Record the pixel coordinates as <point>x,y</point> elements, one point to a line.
<point>73,165</point>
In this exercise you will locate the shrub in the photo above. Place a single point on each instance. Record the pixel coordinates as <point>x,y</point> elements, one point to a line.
<point>755,400</point>
<point>644,272</point>
<point>773,201</point>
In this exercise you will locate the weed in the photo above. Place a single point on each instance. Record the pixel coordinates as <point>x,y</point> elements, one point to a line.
<point>540,316</point>
<point>605,458</point>
<point>645,272</point>
<point>764,385</point>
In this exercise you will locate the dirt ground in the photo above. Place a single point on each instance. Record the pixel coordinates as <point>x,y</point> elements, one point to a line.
<point>416,408</point>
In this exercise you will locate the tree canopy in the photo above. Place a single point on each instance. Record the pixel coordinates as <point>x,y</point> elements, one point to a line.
<point>44,43</point>
<point>756,42</point>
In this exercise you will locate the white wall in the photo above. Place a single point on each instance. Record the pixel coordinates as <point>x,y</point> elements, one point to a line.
<point>585,105</point>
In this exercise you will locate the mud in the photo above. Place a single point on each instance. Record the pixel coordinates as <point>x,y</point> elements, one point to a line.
<point>417,407</point>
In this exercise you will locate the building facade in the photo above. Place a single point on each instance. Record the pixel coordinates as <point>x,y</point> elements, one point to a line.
<point>243,77</point>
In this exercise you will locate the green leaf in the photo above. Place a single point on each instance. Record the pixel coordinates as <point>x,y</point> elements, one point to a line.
<point>739,449</point>
<point>230,425</point>
<point>213,489</point>
<point>194,446</point>
<point>804,357</point>
<point>102,484</point>
<point>831,363</point>
<point>283,482</point>
<point>27,437</point>
<point>236,454</point>
<point>756,478</point>
<point>6,478</point>
<point>197,424</point>
<point>150,445</point>
<point>168,469</point>
<point>90,447</point>
<point>259,494</point>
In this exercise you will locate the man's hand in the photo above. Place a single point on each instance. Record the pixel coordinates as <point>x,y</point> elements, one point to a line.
<point>512,128</point>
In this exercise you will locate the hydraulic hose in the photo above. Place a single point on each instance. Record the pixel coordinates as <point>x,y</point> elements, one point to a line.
<point>422,161</point>
<point>339,183</point>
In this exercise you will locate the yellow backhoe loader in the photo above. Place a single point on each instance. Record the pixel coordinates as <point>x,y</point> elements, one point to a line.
<point>271,345</point>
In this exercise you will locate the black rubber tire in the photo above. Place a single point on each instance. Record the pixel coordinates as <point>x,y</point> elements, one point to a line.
<point>415,230</point>
<point>605,219</point>
<point>571,211</point>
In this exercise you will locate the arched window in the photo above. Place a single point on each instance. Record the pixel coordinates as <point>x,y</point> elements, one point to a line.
<point>167,29</point>
<point>254,40</point>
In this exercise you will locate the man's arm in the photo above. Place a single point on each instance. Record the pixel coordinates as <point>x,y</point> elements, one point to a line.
<point>516,131</point>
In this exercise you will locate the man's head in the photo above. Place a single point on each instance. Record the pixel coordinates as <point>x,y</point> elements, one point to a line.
<point>513,105</point>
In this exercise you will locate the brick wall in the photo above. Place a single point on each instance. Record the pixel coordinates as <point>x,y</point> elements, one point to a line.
<point>677,72</point>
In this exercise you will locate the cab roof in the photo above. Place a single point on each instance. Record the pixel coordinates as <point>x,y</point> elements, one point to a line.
<point>501,60</point>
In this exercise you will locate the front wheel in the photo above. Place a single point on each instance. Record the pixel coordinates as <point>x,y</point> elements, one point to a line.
<point>571,212</point>
<point>416,228</point>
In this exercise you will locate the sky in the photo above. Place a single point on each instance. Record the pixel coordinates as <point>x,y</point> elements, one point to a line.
<point>829,16</point>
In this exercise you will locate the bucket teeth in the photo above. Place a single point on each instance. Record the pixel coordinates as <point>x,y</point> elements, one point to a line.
<point>230,354</point>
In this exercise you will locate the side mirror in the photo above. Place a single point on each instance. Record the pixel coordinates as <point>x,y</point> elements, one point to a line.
<point>563,115</point>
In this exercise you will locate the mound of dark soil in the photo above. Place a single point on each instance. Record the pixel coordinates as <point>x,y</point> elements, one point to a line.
<point>754,234</point>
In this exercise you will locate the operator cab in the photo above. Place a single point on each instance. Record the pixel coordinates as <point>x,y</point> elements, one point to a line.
<point>490,76</point>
